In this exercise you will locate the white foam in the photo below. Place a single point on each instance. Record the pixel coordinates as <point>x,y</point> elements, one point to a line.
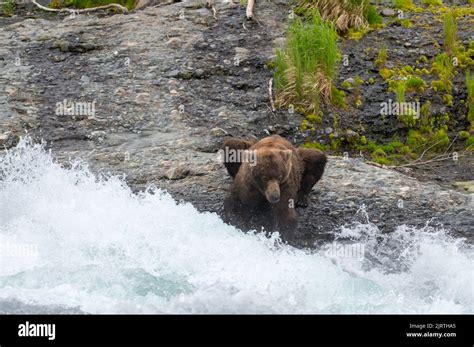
<point>105,250</point>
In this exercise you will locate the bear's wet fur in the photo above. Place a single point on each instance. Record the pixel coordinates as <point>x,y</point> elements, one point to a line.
<point>266,191</point>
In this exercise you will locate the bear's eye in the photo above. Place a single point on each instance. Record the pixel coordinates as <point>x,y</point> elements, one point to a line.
<point>280,177</point>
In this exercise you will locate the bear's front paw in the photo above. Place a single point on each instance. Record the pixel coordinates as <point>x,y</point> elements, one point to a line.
<point>303,201</point>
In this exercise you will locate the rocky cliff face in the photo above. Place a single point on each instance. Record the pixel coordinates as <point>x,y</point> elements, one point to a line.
<point>156,91</point>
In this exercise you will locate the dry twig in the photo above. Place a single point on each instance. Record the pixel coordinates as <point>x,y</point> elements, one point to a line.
<point>438,158</point>
<point>270,94</point>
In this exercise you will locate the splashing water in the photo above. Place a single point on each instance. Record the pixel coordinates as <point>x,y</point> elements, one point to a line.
<point>71,239</point>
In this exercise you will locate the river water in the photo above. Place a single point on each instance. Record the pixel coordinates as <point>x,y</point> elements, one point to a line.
<point>70,239</point>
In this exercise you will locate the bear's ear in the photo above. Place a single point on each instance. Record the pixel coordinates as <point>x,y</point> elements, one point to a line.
<point>287,153</point>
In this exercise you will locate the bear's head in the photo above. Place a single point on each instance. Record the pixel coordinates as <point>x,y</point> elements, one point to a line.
<point>270,170</point>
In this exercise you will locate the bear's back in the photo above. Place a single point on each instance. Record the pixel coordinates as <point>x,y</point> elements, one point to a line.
<point>273,142</point>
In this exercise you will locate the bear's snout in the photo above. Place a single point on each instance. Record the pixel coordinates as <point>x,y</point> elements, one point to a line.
<point>272,193</point>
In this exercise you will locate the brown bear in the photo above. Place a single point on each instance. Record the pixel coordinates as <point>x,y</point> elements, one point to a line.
<point>271,178</point>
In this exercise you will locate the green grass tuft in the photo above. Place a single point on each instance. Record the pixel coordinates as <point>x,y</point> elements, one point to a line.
<point>372,16</point>
<point>432,2</point>
<point>306,67</point>
<point>7,7</point>
<point>129,4</point>
<point>403,4</point>
<point>400,89</point>
<point>345,14</point>
<point>443,67</point>
<point>381,58</point>
<point>415,83</point>
<point>470,142</point>
<point>450,32</point>
<point>406,23</point>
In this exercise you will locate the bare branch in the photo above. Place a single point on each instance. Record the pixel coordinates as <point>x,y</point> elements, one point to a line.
<point>214,12</point>
<point>250,5</point>
<point>433,160</point>
<point>424,152</point>
<point>451,144</point>
<point>270,94</point>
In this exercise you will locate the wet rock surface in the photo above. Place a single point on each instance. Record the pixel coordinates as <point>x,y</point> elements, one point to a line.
<point>405,47</point>
<point>163,86</point>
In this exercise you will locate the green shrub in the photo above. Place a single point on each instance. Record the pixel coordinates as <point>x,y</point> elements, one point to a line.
<point>316,145</point>
<point>338,98</point>
<point>379,156</point>
<point>314,118</point>
<point>358,81</point>
<point>379,152</point>
<point>422,60</point>
<point>415,83</point>
<point>346,85</point>
<point>372,16</point>
<point>7,7</point>
<point>407,70</point>
<point>281,64</point>
<point>381,58</point>
<point>415,139</point>
<point>425,109</point>
<point>470,142</point>
<point>345,14</point>
<point>432,2</point>
<point>385,73</point>
<point>463,135</point>
<point>438,86</point>
<point>405,150</point>
<point>465,57</point>
<point>448,99</point>
<point>450,32</point>
<point>403,4</point>
<point>387,148</point>
<point>440,140</point>
<point>406,23</point>
<point>443,67</point>
<point>400,89</point>
<point>306,67</point>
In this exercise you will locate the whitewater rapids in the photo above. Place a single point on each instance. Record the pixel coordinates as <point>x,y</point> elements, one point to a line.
<point>71,239</point>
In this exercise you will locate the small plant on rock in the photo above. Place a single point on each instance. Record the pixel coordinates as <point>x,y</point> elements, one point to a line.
<point>443,67</point>
<point>345,14</point>
<point>7,7</point>
<point>450,33</point>
<point>381,58</point>
<point>403,4</point>
<point>306,66</point>
<point>415,83</point>
<point>432,2</point>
